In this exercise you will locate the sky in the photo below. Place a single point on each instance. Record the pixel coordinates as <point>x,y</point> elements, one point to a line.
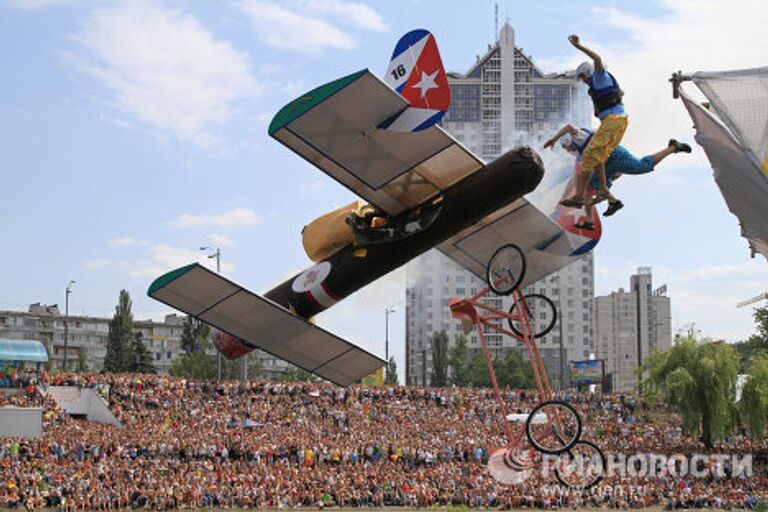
<point>134,132</point>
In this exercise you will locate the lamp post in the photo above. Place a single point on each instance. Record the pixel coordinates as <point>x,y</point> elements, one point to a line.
<point>216,254</point>
<point>66,322</point>
<point>387,312</point>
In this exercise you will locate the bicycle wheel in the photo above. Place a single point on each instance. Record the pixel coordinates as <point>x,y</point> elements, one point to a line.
<point>541,313</point>
<point>553,427</point>
<point>505,269</point>
<point>582,466</point>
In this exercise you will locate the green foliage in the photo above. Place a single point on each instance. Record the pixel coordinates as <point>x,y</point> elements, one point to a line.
<point>698,380</point>
<point>439,377</point>
<point>118,358</point>
<point>390,378</point>
<point>458,361</point>
<point>295,374</point>
<point>82,361</point>
<point>478,375</point>
<point>513,371</point>
<point>195,365</point>
<point>141,358</point>
<point>757,344</point>
<point>754,397</point>
<point>195,335</point>
<point>201,364</point>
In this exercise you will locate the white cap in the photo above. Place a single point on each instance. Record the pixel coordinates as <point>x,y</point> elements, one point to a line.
<point>585,68</point>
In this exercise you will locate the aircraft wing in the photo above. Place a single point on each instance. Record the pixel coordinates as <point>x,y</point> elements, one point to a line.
<point>734,135</point>
<point>338,128</point>
<point>260,323</point>
<point>548,243</point>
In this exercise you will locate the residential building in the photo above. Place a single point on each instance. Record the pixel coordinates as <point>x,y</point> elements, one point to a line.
<point>87,336</point>
<point>629,326</point>
<point>503,100</point>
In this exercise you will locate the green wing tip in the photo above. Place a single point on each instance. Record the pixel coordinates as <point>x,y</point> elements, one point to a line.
<point>164,279</point>
<point>305,102</point>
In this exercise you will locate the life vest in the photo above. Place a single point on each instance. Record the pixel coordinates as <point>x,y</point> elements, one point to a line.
<point>606,97</point>
<point>580,147</point>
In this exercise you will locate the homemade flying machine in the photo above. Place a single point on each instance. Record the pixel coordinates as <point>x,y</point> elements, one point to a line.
<point>380,139</point>
<point>733,130</point>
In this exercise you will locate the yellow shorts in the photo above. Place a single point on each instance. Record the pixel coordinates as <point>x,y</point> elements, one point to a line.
<point>603,142</point>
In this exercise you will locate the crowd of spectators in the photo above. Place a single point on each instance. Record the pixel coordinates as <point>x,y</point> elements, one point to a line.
<point>196,444</point>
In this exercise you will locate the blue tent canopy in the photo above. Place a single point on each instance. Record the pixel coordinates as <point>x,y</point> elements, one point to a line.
<point>23,350</point>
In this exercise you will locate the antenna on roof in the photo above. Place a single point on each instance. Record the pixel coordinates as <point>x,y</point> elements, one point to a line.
<point>496,21</point>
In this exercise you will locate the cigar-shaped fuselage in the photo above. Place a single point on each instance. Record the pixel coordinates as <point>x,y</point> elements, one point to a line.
<point>497,184</point>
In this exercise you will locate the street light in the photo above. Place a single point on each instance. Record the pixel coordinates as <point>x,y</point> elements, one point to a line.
<point>216,254</point>
<point>387,311</point>
<point>66,322</point>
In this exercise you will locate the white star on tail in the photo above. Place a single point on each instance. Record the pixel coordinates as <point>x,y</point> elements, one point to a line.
<point>426,83</point>
<point>575,213</point>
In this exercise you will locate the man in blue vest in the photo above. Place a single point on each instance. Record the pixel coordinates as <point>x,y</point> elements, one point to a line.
<point>606,98</point>
<point>575,140</point>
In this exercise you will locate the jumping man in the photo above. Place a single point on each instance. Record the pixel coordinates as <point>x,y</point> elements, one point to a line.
<point>575,140</point>
<point>606,98</point>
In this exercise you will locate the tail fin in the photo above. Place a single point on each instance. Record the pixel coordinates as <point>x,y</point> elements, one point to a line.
<point>416,72</point>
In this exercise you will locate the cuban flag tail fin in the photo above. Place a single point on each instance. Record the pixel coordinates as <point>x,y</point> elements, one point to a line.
<point>416,72</point>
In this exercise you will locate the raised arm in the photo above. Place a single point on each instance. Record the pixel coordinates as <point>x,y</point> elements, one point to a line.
<point>569,128</point>
<point>574,39</point>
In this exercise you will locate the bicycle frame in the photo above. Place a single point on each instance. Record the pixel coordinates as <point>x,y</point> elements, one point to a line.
<point>467,310</point>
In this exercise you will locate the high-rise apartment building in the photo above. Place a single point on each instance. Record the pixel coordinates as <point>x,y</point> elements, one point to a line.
<point>502,101</point>
<point>630,325</point>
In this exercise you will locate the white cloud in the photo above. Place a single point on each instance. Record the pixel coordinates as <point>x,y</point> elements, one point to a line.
<point>164,258</point>
<point>31,5</point>
<point>236,217</point>
<point>282,28</point>
<point>126,242</point>
<point>354,13</point>
<point>97,263</point>
<point>164,69</point>
<point>220,240</point>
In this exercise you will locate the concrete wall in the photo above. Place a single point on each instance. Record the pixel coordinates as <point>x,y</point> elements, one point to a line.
<point>83,401</point>
<point>21,421</point>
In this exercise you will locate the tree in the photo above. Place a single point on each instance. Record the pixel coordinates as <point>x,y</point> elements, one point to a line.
<point>513,371</point>
<point>199,358</point>
<point>458,361</point>
<point>391,376</point>
<point>296,374</point>
<point>141,358</point>
<point>477,371</point>
<point>754,397</point>
<point>698,380</point>
<point>119,342</point>
<point>195,335</point>
<point>194,365</point>
<point>439,377</point>
<point>82,361</point>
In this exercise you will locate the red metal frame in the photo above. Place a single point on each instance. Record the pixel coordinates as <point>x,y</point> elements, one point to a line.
<point>467,310</point>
